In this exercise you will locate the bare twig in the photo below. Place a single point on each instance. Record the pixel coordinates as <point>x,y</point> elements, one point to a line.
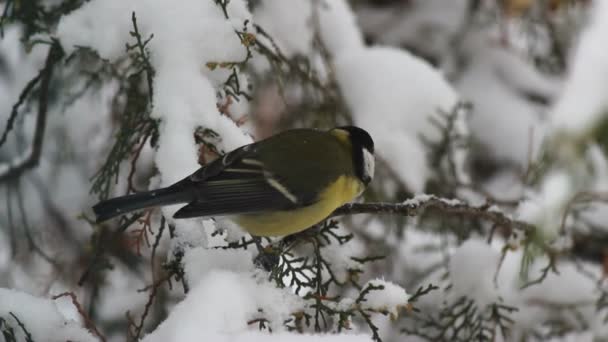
<point>99,248</point>
<point>28,335</point>
<point>15,111</point>
<point>551,267</point>
<point>578,198</point>
<point>28,234</point>
<point>133,335</point>
<point>276,58</point>
<point>11,224</point>
<point>143,57</point>
<point>135,158</point>
<point>161,229</point>
<point>54,55</point>
<point>88,323</point>
<point>418,206</point>
<point>4,17</point>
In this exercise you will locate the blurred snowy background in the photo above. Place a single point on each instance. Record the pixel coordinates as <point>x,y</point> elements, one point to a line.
<point>491,125</point>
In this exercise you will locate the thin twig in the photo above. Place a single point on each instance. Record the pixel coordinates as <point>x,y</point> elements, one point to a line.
<point>11,224</point>
<point>134,159</point>
<point>143,55</point>
<point>28,234</point>
<point>88,323</point>
<point>578,198</point>
<point>54,55</point>
<point>15,111</point>
<point>99,246</point>
<point>28,335</point>
<point>4,16</point>
<point>551,267</point>
<point>275,55</point>
<point>139,327</point>
<point>161,229</point>
<point>415,208</point>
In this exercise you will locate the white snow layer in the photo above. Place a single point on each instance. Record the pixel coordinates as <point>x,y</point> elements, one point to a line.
<point>291,24</point>
<point>425,25</point>
<point>545,208</point>
<point>338,27</point>
<point>474,264</point>
<point>41,318</point>
<point>186,38</point>
<point>584,98</point>
<point>393,94</point>
<point>225,293</point>
<point>288,23</point>
<point>184,88</point>
<point>472,268</point>
<point>222,303</point>
<point>503,120</point>
<point>391,298</point>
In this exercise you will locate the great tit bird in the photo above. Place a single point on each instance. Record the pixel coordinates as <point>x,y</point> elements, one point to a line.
<point>274,187</point>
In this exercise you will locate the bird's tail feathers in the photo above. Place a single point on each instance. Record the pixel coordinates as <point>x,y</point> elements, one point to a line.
<point>113,207</point>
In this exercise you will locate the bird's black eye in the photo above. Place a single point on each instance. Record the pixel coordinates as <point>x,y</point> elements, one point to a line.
<point>366,179</point>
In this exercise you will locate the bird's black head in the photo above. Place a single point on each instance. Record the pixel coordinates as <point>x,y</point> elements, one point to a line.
<point>363,152</point>
<point>360,137</point>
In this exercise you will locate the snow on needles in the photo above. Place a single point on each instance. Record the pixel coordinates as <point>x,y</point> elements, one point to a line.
<point>41,318</point>
<point>290,24</point>
<point>222,303</point>
<point>545,207</point>
<point>287,22</point>
<point>584,100</point>
<point>225,291</point>
<point>472,268</point>
<point>393,94</point>
<point>338,27</point>
<point>512,130</point>
<point>186,37</point>
<point>386,89</point>
<point>390,297</point>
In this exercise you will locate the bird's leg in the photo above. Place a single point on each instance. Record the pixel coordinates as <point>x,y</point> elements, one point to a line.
<point>267,257</point>
<point>258,243</point>
<point>303,235</point>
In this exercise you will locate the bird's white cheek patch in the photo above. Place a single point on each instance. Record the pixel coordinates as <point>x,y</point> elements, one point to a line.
<point>368,163</point>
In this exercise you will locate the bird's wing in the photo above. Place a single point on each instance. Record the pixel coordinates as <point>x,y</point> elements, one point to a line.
<point>217,166</point>
<point>237,183</point>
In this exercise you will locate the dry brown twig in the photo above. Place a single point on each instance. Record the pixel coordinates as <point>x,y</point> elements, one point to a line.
<point>88,323</point>
<point>134,159</point>
<point>138,236</point>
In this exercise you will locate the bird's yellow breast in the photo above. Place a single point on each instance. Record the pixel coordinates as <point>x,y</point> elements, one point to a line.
<point>280,223</point>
